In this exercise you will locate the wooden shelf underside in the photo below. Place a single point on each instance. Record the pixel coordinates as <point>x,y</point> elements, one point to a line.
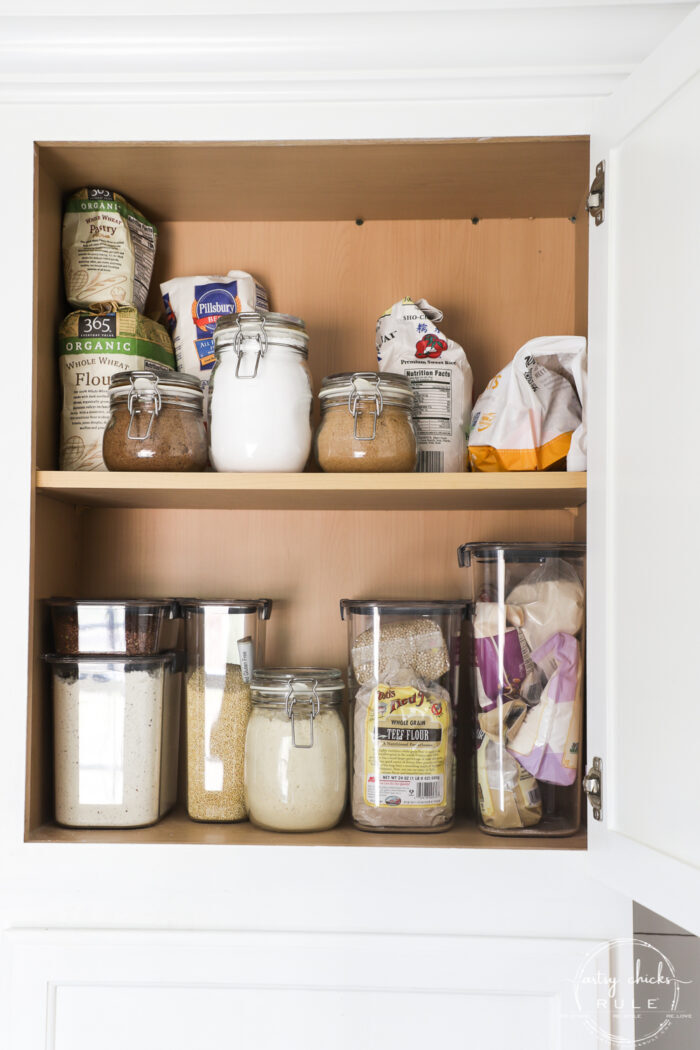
<point>210,491</point>
<point>177,829</point>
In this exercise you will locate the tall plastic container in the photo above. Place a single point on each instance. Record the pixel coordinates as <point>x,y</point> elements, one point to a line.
<point>528,644</point>
<point>404,685</point>
<point>224,642</point>
<point>116,726</point>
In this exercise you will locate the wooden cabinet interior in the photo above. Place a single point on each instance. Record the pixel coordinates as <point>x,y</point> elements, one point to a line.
<point>287,214</point>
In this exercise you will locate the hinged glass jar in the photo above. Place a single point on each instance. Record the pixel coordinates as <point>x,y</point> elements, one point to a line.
<point>225,641</point>
<point>366,423</point>
<point>260,394</point>
<point>528,620</point>
<point>296,749</point>
<point>156,423</point>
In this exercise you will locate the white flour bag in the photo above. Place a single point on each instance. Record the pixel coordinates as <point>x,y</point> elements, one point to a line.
<point>193,305</point>
<point>408,342</point>
<point>532,415</point>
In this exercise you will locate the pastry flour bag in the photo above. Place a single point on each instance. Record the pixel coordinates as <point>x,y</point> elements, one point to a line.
<point>532,415</point>
<point>408,342</point>
<point>108,250</point>
<point>193,305</point>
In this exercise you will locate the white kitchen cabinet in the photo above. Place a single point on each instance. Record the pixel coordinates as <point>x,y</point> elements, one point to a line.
<point>511,923</point>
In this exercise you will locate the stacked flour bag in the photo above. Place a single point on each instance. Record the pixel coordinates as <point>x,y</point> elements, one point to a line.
<point>529,683</point>
<point>410,343</point>
<point>532,415</point>
<point>193,305</point>
<point>108,251</point>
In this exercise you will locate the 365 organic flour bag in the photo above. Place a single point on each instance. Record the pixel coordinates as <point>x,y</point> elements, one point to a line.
<point>93,344</point>
<point>108,249</point>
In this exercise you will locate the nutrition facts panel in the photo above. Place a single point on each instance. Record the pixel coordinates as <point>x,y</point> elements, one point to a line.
<point>433,403</point>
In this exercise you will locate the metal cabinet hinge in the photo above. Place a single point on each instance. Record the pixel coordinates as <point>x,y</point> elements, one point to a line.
<point>595,205</point>
<point>593,786</point>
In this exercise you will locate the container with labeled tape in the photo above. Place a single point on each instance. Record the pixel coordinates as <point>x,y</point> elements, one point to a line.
<point>224,640</point>
<point>404,686</point>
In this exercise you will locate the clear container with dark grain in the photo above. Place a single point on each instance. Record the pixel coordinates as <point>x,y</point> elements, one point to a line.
<point>156,423</point>
<point>403,676</point>
<point>527,645</point>
<point>133,627</point>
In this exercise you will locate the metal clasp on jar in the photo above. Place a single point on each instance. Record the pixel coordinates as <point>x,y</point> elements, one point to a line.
<point>259,335</point>
<point>146,393</point>
<point>314,707</point>
<point>356,396</point>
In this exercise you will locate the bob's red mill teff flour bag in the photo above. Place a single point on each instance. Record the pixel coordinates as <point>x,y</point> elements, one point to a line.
<point>108,250</point>
<point>93,344</point>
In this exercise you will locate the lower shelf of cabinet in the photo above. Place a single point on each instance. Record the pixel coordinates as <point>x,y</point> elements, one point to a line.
<point>177,829</point>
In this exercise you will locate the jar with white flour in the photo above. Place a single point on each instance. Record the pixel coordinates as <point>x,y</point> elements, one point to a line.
<point>260,394</point>
<point>296,749</point>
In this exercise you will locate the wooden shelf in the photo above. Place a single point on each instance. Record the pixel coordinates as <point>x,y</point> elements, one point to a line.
<point>526,491</point>
<point>176,828</point>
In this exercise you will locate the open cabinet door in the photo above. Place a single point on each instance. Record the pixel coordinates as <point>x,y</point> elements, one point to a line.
<point>644,484</point>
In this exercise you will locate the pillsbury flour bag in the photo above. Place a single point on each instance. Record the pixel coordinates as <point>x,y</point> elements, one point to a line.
<point>408,342</point>
<point>193,305</point>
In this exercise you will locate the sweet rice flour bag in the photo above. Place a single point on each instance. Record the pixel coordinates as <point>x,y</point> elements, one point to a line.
<point>408,342</point>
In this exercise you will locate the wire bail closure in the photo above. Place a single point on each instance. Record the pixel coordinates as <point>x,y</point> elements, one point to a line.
<point>356,396</point>
<point>136,395</point>
<point>260,337</point>
<point>290,700</point>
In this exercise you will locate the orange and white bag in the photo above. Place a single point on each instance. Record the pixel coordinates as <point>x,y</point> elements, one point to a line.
<point>532,415</point>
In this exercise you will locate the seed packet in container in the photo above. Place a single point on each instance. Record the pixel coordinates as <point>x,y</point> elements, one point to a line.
<point>409,343</point>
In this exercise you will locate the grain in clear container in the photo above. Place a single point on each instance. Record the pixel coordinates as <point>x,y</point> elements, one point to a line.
<point>224,641</point>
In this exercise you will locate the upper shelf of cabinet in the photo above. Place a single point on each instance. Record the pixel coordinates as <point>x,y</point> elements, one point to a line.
<point>543,491</point>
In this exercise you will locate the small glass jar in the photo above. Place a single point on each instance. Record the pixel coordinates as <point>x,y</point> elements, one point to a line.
<point>527,627</point>
<point>404,685</point>
<point>296,749</point>
<point>156,423</point>
<point>366,423</point>
<point>260,394</point>
<point>224,641</point>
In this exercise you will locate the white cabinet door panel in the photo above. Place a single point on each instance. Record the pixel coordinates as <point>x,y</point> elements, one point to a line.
<point>644,499</point>
<point>75,990</point>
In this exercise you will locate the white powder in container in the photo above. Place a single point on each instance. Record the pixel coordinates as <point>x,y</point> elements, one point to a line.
<point>115,743</point>
<point>295,788</point>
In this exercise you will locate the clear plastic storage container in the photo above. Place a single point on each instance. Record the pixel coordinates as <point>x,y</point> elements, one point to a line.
<point>528,621</point>
<point>137,627</point>
<point>116,728</point>
<point>224,641</point>
<point>404,687</point>
<point>296,749</point>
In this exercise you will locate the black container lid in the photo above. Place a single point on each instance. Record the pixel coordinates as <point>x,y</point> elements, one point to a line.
<point>518,552</point>
<point>366,606</point>
<point>261,606</point>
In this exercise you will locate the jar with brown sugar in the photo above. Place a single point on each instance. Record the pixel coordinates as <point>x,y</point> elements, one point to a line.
<point>156,423</point>
<point>366,423</point>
